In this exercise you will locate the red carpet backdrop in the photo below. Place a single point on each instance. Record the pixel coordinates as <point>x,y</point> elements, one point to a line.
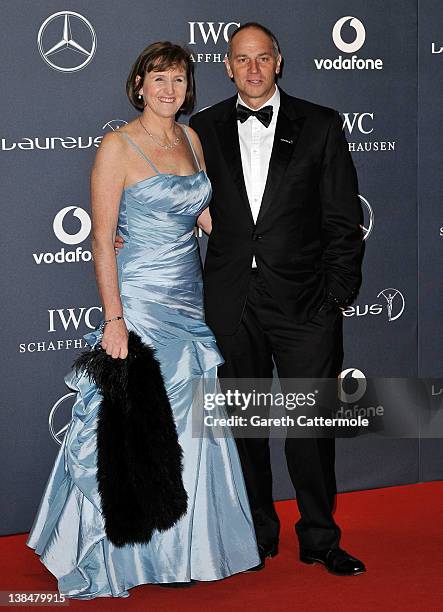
<point>64,67</point>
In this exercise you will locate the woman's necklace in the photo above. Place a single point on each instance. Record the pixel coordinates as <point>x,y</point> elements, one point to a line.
<point>169,145</point>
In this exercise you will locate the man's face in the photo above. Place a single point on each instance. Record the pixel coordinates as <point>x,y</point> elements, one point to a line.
<point>253,66</point>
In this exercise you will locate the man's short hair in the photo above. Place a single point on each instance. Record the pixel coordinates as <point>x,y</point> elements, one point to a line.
<point>257,26</point>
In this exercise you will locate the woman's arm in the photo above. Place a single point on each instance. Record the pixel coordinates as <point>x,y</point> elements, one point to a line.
<point>204,221</point>
<point>107,181</point>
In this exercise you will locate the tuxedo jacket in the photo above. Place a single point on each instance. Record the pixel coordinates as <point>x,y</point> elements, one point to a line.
<point>307,240</point>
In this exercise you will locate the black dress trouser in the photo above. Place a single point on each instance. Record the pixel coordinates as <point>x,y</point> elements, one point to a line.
<point>309,350</point>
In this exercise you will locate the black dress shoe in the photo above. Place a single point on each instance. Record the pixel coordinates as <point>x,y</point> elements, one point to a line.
<point>264,553</point>
<point>336,560</point>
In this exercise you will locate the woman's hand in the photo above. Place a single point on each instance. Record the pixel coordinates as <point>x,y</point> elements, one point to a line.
<point>119,243</point>
<point>115,339</point>
<point>204,221</point>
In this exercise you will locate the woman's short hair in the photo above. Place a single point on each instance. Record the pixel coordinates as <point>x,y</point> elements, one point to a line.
<point>158,57</point>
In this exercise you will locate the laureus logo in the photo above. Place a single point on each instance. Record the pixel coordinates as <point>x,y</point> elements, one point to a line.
<point>395,302</point>
<point>67,41</point>
<point>77,231</point>
<point>391,301</point>
<point>348,35</point>
<point>50,143</point>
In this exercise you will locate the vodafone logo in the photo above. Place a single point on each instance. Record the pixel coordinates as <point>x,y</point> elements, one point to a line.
<point>351,61</point>
<point>352,385</point>
<point>360,35</point>
<point>81,234</point>
<point>71,225</point>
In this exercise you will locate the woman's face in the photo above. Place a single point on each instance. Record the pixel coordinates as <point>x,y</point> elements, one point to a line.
<point>164,92</point>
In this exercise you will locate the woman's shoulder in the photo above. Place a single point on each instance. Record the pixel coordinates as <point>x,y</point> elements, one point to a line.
<point>193,136</point>
<point>113,149</point>
<point>130,129</point>
<point>115,142</point>
<point>111,142</point>
<point>192,133</point>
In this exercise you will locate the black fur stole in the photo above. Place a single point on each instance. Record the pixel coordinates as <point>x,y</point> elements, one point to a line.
<point>139,459</point>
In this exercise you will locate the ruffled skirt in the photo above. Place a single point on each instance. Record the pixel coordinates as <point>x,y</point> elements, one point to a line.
<point>215,538</point>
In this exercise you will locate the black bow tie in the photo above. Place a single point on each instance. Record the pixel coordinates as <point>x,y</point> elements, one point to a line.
<point>264,115</point>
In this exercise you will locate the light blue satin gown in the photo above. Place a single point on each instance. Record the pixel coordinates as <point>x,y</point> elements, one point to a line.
<point>160,282</point>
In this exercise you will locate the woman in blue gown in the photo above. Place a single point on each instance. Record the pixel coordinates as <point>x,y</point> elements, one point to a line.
<point>149,182</point>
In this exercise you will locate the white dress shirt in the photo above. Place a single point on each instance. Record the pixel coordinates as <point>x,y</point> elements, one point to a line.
<point>256,142</point>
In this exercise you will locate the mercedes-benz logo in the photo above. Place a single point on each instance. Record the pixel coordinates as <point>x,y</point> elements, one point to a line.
<point>58,46</point>
<point>369,219</point>
<point>59,419</point>
<point>114,124</point>
<point>396,302</point>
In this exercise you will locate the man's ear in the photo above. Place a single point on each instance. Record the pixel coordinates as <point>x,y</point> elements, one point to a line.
<point>228,68</point>
<point>277,68</point>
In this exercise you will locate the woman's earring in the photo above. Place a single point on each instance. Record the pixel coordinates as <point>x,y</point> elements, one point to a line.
<point>140,97</point>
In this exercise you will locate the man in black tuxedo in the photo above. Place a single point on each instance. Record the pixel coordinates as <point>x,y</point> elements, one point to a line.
<point>283,257</point>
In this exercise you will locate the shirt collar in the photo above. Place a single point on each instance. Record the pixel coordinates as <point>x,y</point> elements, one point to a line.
<point>274,101</point>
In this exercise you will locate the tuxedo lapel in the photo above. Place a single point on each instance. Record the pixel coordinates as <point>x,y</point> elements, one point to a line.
<point>227,133</point>
<point>286,137</point>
